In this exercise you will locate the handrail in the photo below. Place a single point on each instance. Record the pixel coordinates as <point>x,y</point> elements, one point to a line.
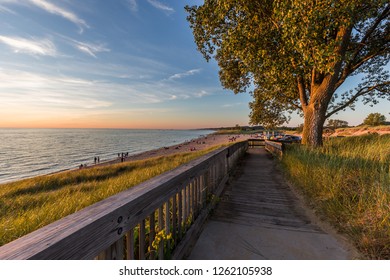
<point>256,142</point>
<point>149,221</point>
<point>275,148</point>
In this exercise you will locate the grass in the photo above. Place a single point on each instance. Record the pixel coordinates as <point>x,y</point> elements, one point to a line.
<point>348,182</point>
<point>33,203</point>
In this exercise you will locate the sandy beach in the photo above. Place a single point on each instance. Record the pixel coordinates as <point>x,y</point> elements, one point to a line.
<point>197,144</point>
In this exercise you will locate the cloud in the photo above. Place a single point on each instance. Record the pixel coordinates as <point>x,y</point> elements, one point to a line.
<point>201,94</point>
<point>6,10</point>
<point>133,5</point>
<point>184,74</point>
<point>26,88</point>
<point>161,6</point>
<point>232,105</point>
<point>52,9</point>
<point>89,48</point>
<point>34,47</point>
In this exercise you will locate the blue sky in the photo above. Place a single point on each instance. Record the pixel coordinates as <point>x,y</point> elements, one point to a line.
<point>118,63</point>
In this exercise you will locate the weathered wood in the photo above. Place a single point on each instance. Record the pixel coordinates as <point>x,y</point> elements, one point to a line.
<point>88,232</point>
<point>117,250</point>
<point>255,142</point>
<point>130,245</point>
<point>141,240</point>
<point>152,234</point>
<point>275,148</point>
<point>167,225</point>
<point>160,228</point>
<point>180,214</point>
<point>174,217</point>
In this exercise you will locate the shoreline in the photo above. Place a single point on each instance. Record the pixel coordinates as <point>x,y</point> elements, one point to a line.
<point>196,144</point>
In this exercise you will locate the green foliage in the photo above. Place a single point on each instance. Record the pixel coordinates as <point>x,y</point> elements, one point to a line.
<point>374,119</point>
<point>295,54</point>
<point>348,182</point>
<point>337,123</point>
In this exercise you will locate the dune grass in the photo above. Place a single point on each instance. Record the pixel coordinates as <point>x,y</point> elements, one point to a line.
<point>33,203</point>
<point>348,182</point>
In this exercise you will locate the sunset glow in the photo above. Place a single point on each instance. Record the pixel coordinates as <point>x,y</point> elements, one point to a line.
<point>122,64</point>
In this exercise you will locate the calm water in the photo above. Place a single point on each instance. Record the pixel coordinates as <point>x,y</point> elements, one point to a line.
<point>27,153</point>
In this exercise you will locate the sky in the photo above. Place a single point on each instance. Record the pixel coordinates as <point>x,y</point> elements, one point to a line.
<point>114,64</point>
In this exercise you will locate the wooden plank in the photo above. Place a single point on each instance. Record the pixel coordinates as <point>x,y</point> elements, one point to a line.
<point>152,234</point>
<point>160,228</point>
<point>141,240</point>
<point>188,202</point>
<point>193,186</point>
<point>184,196</point>
<point>130,245</point>
<point>174,217</point>
<point>180,214</point>
<point>196,191</point>
<point>117,250</point>
<point>167,224</point>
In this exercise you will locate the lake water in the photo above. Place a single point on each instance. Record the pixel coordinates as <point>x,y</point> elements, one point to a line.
<point>27,153</point>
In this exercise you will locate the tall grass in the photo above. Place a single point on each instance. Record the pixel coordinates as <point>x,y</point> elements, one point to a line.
<point>348,182</point>
<point>33,203</point>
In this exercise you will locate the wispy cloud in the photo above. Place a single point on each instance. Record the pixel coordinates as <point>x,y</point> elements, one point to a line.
<point>50,8</point>
<point>33,47</point>
<point>34,89</point>
<point>133,5</point>
<point>89,48</point>
<point>161,6</point>
<point>56,10</point>
<point>232,105</point>
<point>184,74</point>
<point>44,90</point>
<point>202,93</point>
<point>6,10</point>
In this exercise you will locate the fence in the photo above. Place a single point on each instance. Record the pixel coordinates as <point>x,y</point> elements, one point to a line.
<point>158,219</point>
<point>256,142</point>
<point>275,148</point>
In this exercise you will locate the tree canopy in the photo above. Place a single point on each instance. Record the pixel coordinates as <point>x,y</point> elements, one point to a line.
<point>334,123</point>
<point>374,119</point>
<point>293,55</point>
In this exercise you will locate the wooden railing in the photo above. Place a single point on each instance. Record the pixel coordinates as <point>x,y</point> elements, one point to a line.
<point>158,219</point>
<point>275,148</point>
<point>255,142</point>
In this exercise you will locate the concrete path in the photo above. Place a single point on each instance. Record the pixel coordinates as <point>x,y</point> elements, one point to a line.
<point>259,217</point>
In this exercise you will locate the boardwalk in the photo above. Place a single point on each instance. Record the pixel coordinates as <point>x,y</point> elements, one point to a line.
<point>259,217</point>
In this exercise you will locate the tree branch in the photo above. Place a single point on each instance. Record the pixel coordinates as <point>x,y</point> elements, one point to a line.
<point>369,32</point>
<point>359,93</point>
<point>350,69</point>
<point>352,65</point>
<point>302,92</point>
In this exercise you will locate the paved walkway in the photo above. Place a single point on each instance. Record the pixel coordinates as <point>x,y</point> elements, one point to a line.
<point>259,217</point>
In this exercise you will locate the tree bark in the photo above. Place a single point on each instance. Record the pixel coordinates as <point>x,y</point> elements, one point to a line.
<point>313,126</point>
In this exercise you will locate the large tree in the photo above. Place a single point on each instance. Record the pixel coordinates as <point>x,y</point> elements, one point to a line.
<point>294,54</point>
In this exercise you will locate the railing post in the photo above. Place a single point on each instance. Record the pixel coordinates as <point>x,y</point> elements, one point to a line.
<point>130,244</point>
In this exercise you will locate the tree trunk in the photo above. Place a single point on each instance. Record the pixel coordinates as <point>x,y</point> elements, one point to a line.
<point>313,125</point>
